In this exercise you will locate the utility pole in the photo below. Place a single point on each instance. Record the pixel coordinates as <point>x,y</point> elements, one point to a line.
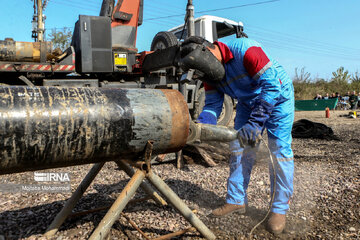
<point>190,16</point>
<point>40,23</point>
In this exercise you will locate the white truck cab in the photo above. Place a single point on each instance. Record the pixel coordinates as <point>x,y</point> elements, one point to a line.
<point>211,28</point>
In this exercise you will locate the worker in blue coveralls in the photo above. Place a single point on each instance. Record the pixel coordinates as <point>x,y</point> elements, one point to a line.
<point>265,100</point>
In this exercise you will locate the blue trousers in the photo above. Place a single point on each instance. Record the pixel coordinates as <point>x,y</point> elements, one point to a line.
<point>278,127</point>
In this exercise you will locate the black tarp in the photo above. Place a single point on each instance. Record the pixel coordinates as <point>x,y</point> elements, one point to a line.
<point>304,128</point>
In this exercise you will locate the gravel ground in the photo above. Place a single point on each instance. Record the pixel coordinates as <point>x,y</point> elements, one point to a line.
<point>325,204</point>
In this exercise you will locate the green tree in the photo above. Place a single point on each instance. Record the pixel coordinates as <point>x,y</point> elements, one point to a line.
<point>60,39</point>
<point>341,82</point>
<point>341,76</point>
<point>355,81</point>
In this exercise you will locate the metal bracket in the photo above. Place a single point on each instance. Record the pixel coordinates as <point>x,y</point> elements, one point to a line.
<point>43,52</point>
<point>148,153</point>
<point>123,16</point>
<point>27,81</point>
<point>187,77</point>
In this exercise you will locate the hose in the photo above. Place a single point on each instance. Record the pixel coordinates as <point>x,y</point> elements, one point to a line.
<point>206,132</point>
<point>273,193</point>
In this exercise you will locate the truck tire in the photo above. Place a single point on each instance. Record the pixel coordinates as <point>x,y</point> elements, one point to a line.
<point>163,40</point>
<point>227,111</point>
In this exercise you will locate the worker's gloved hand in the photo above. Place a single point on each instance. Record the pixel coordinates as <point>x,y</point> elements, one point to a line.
<point>207,117</point>
<point>250,133</point>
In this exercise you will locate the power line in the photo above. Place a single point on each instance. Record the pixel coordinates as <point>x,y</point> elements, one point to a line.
<point>273,38</point>
<point>167,4</point>
<point>244,5</point>
<point>92,9</point>
<point>303,49</point>
<point>148,10</point>
<point>215,10</point>
<point>172,21</point>
<point>160,23</point>
<point>87,3</point>
<point>301,46</point>
<point>302,40</point>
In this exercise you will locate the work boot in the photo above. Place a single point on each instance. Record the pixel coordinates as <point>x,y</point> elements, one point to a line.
<point>228,209</point>
<point>276,223</point>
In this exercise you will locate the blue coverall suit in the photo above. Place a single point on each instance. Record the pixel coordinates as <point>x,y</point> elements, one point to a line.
<point>266,98</point>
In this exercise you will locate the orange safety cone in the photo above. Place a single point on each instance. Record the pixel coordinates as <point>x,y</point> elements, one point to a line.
<point>327,112</point>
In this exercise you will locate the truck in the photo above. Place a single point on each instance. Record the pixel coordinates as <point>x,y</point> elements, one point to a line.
<point>103,53</point>
<point>212,28</point>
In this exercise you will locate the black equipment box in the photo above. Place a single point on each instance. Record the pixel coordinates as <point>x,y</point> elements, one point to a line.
<point>92,43</point>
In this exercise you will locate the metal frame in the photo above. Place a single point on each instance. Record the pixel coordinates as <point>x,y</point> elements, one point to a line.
<point>137,180</point>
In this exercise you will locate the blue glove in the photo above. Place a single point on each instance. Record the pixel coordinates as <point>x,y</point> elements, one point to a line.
<point>208,117</point>
<point>251,132</point>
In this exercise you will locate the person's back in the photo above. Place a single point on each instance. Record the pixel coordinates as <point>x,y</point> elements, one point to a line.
<point>241,81</point>
<point>353,100</point>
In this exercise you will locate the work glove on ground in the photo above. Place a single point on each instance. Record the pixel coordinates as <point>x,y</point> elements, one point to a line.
<point>207,118</point>
<point>250,133</point>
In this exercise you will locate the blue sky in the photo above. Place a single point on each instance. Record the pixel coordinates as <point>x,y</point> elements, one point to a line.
<point>320,35</point>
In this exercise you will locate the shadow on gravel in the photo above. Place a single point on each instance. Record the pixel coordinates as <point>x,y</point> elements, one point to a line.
<point>28,221</point>
<point>128,230</point>
<point>224,227</point>
<point>184,189</point>
<point>34,220</point>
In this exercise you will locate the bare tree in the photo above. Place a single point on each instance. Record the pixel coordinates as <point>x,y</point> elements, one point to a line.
<point>301,76</point>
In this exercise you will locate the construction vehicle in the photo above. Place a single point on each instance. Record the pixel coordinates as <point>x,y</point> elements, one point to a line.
<point>212,28</point>
<point>103,53</point>
<point>102,50</point>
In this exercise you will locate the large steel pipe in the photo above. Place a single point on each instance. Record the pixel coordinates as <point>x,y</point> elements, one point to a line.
<point>47,127</point>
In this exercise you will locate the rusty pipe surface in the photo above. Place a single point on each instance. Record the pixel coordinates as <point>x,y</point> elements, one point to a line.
<point>48,127</point>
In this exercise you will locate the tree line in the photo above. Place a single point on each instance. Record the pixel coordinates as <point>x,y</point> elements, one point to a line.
<point>341,81</point>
